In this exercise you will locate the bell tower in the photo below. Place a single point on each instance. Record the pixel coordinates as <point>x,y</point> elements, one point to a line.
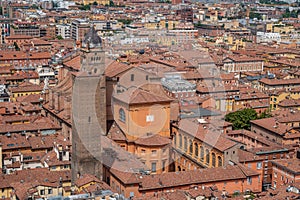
<point>92,59</point>
<point>89,109</point>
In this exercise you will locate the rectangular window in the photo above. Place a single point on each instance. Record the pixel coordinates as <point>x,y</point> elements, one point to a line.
<point>154,152</point>
<point>259,165</point>
<point>153,167</point>
<point>249,180</point>
<point>132,77</point>
<point>149,118</point>
<point>163,165</point>
<point>50,191</point>
<point>42,192</point>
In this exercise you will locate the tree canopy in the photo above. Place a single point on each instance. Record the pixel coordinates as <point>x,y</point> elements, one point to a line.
<point>241,119</point>
<point>85,7</point>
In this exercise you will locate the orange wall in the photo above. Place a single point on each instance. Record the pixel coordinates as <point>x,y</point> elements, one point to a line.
<point>136,125</point>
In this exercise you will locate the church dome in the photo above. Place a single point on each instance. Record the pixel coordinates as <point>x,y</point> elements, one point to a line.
<point>92,39</point>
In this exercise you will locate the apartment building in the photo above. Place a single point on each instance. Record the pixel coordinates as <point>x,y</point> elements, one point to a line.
<point>242,64</point>
<point>285,172</point>
<point>197,145</point>
<point>79,27</point>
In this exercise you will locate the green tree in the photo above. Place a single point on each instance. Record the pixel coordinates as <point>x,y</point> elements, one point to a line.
<point>34,6</point>
<point>111,3</point>
<point>125,21</point>
<point>265,114</point>
<point>95,3</point>
<point>59,37</point>
<point>85,7</point>
<point>241,118</point>
<point>253,15</point>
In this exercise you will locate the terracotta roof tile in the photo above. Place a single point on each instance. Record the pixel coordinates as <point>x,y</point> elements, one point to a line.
<point>19,55</point>
<point>86,179</point>
<point>213,138</point>
<point>272,125</point>
<point>116,68</point>
<point>74,63</point>
<point>153,140</point>
<point>171,179</point>
<point>139,96</point>
<point>290,165</point>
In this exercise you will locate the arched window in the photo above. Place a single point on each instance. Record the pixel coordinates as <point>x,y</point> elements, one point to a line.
<point>191,146</point>
<point>207,156</point>
<point>213,159</point>
<point>122,115</point>
<point>201,153</point>
<point>185,144</point>
<point>220,163</point>
<point>180,141</point>
<point>196,149</point>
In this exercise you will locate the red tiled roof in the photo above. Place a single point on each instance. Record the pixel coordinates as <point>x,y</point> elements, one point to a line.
<point>172,179</point>
<point>115,133</point>
<point>294,81</point>
<point>74,63</point>
<point>213,138</point>
<point>290,165</point>
<point>139,96</point>
<point>116,68</point>
<point>242,59</point>
<point>26,87</point>
<point>19,55</point>
<point>31,98</point>
<point>86,179</point>
<point>153,140</point>
<point>272,125</point>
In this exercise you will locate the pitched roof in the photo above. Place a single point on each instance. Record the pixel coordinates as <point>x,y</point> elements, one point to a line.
<point>140,96</point>
<point>20,55</point>
<point>272,125</point>
<point>86,179</point>
<point>27,87</point>
<point>290,165</point>
<point>74,63</point>
<point>116,68</point>
<point>204,133</point>
<point>172,179</point>
<point>153,140</point>
<point>294,81</point>
<point>115,133</point>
